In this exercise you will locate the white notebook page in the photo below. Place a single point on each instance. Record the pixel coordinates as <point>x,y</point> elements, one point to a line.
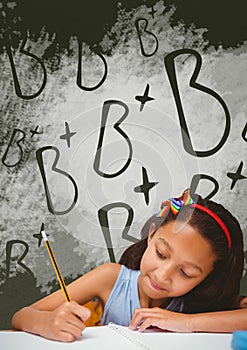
<point>106,338</point>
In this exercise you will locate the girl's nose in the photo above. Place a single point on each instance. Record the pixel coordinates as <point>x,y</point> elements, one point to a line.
<point>164,273</point>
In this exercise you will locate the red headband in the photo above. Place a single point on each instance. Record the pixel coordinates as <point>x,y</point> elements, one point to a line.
<point>219,221</point>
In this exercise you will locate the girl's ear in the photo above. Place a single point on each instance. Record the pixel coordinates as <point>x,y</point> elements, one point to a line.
<point>151,232</point>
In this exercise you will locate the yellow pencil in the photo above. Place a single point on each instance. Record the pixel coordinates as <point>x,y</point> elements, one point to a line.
<point>54,263</point>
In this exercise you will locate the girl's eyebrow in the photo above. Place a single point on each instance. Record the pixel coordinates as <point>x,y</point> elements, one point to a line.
<point>164,241</point>
<point>194,266</point>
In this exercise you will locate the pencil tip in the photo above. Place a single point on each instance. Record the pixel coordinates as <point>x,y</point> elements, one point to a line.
<point>42,227</point>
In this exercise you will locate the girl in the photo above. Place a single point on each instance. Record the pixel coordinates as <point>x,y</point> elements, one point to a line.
<point>183,276</point>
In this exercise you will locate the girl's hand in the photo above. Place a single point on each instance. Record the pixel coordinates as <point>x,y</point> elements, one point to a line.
<point>65,323</point>
<point>164,319</point>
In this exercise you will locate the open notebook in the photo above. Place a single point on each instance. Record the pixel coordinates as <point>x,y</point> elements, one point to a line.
<point>113,337</point>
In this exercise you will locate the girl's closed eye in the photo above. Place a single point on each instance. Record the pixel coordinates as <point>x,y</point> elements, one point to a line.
<point>160,255</point>
<point>184,274</point>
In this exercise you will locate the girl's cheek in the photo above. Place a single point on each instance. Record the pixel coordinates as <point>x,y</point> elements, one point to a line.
<point>186,287</point>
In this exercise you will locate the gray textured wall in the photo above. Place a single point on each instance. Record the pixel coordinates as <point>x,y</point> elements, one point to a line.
<point>153,133</point>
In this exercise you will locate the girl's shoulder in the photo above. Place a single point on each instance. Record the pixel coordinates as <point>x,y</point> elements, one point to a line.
<point>89,286</point>
<point>110,266</point>
<point>106,275</point>
<point>108,271</point>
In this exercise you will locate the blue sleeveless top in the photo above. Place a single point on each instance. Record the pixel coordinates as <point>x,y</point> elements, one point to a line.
<point>124,299</point>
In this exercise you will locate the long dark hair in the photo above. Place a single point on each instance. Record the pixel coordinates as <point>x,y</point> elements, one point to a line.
<point>220,289</point>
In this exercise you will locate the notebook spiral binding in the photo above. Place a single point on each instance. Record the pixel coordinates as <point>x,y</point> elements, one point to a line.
<point>128,334</point>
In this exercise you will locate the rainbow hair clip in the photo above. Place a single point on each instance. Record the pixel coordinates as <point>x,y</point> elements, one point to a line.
<point>175,204</point>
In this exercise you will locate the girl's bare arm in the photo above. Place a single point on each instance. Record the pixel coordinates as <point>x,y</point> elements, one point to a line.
<point>215,322</point>
<point>220,321</point>
<point>53,318</point>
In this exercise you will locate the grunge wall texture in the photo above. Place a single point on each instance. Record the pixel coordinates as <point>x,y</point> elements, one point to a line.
<point>94,97</point>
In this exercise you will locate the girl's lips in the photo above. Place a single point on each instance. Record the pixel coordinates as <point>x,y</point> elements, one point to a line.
<point>154,285</point>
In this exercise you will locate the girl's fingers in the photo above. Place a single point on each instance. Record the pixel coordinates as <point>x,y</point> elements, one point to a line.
<point>68,322</point>
<point>164,319</point>
<point>151,321</point>
<point>76,322</point>
<point>73,328</point>
<point>67,337</point>
<point>80,311</point>
<point>138,317</point>
<point>142,315</point>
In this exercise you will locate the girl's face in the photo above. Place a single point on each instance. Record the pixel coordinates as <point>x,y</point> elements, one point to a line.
<point>176,260</point>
